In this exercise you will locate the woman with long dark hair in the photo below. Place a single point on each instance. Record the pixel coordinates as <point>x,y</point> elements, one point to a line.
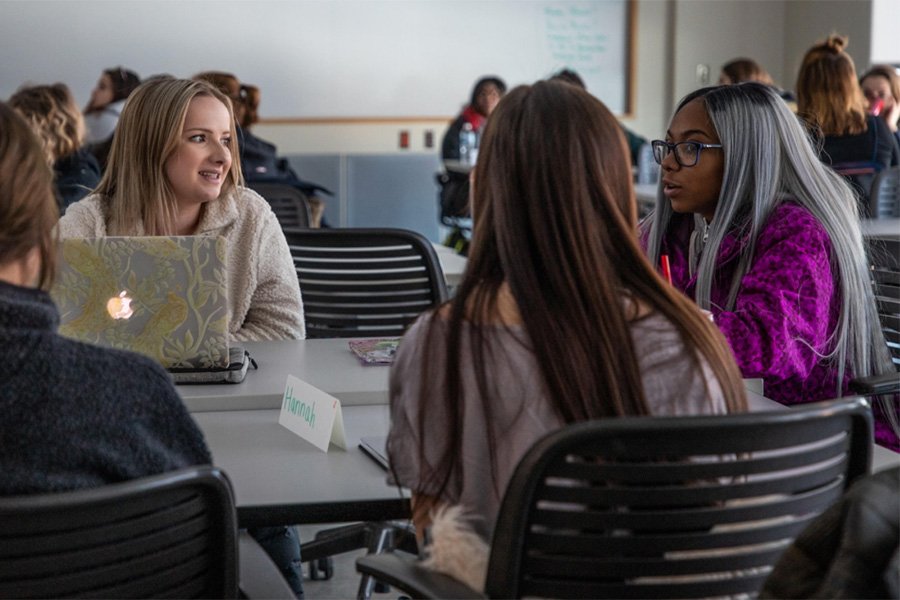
<point>560,317</point>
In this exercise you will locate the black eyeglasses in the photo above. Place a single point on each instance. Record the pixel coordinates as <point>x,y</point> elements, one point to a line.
<point>687,154</point>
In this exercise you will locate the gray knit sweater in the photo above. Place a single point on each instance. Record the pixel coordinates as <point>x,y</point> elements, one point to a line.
<point>74,415</point>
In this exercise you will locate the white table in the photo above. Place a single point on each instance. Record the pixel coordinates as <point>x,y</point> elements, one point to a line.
<point>280,478</point>
<point>881,227</point>
<point>882,458</point>
<point>452,264</point>
<point>330,366</point>
<point>326,364</point>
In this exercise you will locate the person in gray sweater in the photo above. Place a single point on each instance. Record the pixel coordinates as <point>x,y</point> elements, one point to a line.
<point>76,415</point>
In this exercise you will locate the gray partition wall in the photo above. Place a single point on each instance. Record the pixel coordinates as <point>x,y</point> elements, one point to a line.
<point>376,190</point>
<point>324,169</point>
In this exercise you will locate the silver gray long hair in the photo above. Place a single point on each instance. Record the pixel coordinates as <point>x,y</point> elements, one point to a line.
<point>769,158</point>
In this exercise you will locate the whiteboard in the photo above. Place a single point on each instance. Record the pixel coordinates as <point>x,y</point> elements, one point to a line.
<point>325,59</point>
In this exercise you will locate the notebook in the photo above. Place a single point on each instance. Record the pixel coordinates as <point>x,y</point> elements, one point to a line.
<point>375,351</point>
<point>165,297</point>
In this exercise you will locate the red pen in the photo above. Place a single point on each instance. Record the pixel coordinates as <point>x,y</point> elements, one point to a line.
<point>666,271</point>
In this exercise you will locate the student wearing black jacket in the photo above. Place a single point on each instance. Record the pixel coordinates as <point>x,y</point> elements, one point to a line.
<point>59,126</point>
<point>831,102</point>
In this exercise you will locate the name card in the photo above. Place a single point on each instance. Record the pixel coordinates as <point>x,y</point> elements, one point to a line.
<point>312,414</point>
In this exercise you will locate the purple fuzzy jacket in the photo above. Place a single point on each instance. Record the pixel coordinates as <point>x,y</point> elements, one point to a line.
<point>786,308</point>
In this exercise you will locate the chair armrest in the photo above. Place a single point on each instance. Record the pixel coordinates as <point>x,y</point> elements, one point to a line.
<point>886,383</point>
<point>259,577</point>
<point>412,578</point>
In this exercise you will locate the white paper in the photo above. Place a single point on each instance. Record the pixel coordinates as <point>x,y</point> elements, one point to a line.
<point>312,414</point>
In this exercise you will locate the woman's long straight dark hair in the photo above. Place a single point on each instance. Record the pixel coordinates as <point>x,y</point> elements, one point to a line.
<point>555,219</point>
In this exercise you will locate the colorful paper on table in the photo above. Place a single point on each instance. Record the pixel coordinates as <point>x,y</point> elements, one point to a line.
<point>375,351</point>
<point>312,414</point>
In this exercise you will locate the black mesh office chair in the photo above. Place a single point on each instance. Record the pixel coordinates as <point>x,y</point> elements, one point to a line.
<point>289,204</point>
<point>651,507</point>
<point>364,282</point>
<point>884,255</point>
<point>171,535</point>
<point>884,199</point>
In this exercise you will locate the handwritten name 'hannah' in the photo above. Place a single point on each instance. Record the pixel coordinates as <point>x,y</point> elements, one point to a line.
<point>307,412</point>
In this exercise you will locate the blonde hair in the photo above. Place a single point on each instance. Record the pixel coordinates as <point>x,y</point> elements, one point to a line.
<point>135,186</point>
<point>51,112</point>
<point>28,209</point>
<point>828,94</point>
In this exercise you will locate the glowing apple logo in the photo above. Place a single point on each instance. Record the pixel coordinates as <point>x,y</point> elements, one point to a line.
<point>119,307</point>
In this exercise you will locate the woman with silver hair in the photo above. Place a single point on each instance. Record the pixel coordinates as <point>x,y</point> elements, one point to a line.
<point>760,233</point>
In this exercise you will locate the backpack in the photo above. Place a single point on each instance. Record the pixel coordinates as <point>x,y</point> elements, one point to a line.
<point>453,197</point>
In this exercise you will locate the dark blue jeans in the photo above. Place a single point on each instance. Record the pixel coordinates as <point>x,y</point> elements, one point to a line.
<point>282,545</point>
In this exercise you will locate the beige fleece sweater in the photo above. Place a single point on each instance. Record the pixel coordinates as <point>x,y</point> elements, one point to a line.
<point>264,297</point>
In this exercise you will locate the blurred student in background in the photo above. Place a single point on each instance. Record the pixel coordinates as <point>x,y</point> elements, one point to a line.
<point>259,159</point>
<point>633,140</point>
<point>830,100</point>
<point>742,70</point>
<point>51,112</point>
<point>453,198</point>
<point>102,112</point>
<point>881,87</point>
<point>485,96</point>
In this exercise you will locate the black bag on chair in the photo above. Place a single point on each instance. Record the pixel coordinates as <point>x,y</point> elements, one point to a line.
<point>453,196</point>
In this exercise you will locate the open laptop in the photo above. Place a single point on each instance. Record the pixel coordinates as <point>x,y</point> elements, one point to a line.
<point>165,297</point>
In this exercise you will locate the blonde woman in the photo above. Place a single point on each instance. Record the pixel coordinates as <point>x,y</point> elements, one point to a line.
<point>51,112</point>
<point>173,170</point>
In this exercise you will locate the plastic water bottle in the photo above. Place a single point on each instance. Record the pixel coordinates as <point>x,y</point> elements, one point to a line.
<point>468,145</point>
<point>648,170</point>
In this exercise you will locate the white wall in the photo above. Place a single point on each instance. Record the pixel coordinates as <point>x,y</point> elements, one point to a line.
<point>713,32</point>
<point>673,37</point>
<point>885,41</point>
<point>651,104</point>
<point>811,21</point>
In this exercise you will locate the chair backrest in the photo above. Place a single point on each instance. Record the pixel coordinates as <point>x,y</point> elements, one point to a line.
<point>453,199</point>
<point>884,256</point>
<point>677,507</point>
<point>289,204</point>
<point>861,177</point>
<point>884,199</point>
<point>364,282</point>
<point>166,536</point>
